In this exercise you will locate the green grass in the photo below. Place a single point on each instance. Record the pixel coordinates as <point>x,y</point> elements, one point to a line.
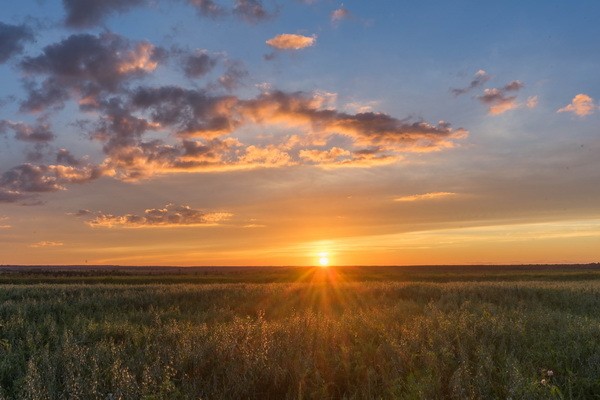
<point>446,333</point>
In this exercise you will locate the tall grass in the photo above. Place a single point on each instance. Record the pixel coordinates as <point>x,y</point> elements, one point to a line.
<point>326,339</point>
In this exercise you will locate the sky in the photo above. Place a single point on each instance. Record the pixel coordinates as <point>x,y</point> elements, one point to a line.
<point>271,132</point>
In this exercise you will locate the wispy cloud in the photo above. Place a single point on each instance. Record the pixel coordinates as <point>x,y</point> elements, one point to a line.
<point>426,196</point>
<point>39,133</point>
<point>499,99</point>
<point>532,101</point>
<point>46,244</point>
<point>480,78</point>
<point>581,105</point>
<point>290,41</point>
<point>3,224</point>
<point>339,14</point>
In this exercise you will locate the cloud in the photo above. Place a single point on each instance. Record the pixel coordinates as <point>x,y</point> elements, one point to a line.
<point>169,216</point>
<point>234,75</point>
<point>480,78</point>
<point>581,105</point>
<point>198,64</point>
<point>82,213</point>
<point>339,14</point>
<point>3,225</point>
<point>251,11</point>
<point>12,40</point>
<point>268,156</point>
<point>368,129</point>
<point>39,133</point>
<point>513,86</point>
<point>532,102</point>
<point>208,8</point>
<point>87,66</point>
<point>202,124</point>
<point>334,154</point>
<point>89,13</point>
<point>46,244</point>
<point>497,101</point>
<point>195,113</point>
<point>64,156</point>
<point>192,112</point>
<point>425,196</point>
<point>288,41</point>
<point>24,181</point>
<point>340,158</point>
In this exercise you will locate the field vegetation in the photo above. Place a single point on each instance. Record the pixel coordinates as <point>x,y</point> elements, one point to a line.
<point>277,333</point>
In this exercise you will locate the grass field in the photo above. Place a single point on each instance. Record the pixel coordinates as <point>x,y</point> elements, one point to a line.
<point>274,333</point>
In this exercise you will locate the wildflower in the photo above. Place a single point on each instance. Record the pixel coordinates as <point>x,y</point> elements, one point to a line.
<point>550,372</point>
<point>543,382</point>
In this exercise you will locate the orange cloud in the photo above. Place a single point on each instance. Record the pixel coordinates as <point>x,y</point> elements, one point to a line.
<point>269,156</point>
<point>289,41</point>
<point>169,216</point>
<point>324,156</point>
<point>425,196</point>
<point>581,105</point>
<point>139,59</point>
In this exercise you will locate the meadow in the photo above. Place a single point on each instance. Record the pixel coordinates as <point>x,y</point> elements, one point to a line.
<point>528,332</point>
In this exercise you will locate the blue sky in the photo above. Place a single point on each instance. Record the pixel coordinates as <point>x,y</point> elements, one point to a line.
<point>357,123</point>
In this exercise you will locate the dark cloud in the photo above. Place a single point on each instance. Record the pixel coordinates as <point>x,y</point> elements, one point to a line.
<point>87,65</point>
<point>234,75</point>
<point>24,181</point>
<point>192,112</point>
<point>88,13</point>
<point>480,78</point>
<point>82,213</point>
<point>50,94</point>
<point>12,40</point>
<point>198,64</point>
<point>208,8</point>
<point>117,125</point>
<point>169,216</point>
<point>64,156</point>
<point>513,86</point>
<point>39,133</point>
<point>251,10</point>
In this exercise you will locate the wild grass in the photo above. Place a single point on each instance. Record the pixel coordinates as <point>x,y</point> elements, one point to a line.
<point>323,337</point>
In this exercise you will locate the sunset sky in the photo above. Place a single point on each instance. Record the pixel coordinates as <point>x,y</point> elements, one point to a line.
<point>249,132</point>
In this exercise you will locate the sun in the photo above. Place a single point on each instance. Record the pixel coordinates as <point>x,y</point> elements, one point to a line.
<point>324,259</point>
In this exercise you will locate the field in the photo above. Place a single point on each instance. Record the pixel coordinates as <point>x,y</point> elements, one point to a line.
<point>528,332</point>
